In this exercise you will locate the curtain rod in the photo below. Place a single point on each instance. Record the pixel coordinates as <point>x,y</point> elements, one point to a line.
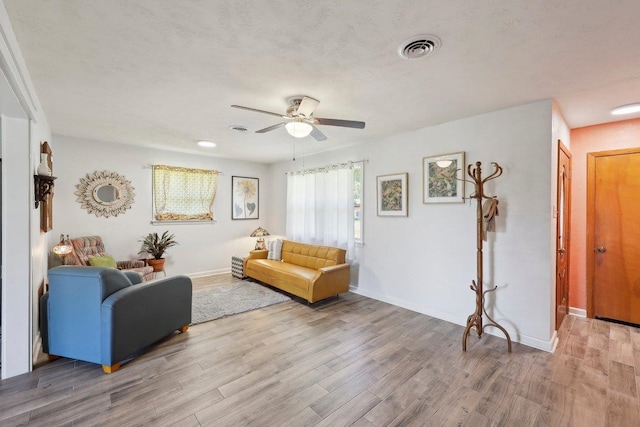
<point>181,167</point>
<point>328,166</point>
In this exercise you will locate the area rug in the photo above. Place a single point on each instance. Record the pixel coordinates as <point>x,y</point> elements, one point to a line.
<point>233,298</point>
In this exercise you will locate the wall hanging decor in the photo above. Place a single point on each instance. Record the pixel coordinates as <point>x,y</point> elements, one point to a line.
<point>246,198</point>
<point>443,178</point>
<point>105,193</point>
<point>43,190</point>
<point>43,186</point>
<point>393,195</point>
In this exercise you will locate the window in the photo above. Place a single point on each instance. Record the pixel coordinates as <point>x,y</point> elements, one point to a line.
<point>320,206</point>
<point>181,194</point>
<point>358,201</point>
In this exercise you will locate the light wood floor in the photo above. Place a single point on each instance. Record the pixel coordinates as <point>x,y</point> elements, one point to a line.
<point>350,361</point>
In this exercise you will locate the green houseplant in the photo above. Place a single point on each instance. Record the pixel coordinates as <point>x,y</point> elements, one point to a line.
<point>156,245</point>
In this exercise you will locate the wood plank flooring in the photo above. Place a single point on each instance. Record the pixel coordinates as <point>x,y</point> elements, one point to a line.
<point>350,361</point>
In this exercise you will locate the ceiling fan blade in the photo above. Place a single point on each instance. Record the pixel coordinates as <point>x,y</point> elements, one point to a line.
<point>270,128</point>
<point>337,122</point>
<point>307,105</point>
<point>317,135</point>
<point>256,110</point>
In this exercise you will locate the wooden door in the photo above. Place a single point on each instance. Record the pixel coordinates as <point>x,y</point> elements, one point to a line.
<point>613,222</point>
<point>563,234</point>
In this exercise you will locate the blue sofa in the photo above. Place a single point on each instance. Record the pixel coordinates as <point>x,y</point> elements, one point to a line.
<point>104,315</point>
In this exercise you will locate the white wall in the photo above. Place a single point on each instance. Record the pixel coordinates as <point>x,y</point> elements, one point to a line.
<point>426,262</point>
<point>23,267</point>
<point>38,133</point>
<point>16,337</point>
<point>202,247</point>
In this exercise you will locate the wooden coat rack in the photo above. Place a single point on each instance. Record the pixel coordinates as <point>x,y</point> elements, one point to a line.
<point>475,320</point>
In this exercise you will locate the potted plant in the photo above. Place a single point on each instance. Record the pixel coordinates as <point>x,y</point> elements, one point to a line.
<point>156,246</point>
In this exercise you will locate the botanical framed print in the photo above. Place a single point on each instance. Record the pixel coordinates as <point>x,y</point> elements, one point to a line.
<point>392,194</point>
<point>245,198</point>
<point>443,178</point>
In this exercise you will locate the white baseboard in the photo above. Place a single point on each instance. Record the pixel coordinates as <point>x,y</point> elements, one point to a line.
<point>210,273</point>
<point>554,341</point>
<point>37,348</point>
<point>580,312</point>
<point>544,345</point>
<point>548,346</point>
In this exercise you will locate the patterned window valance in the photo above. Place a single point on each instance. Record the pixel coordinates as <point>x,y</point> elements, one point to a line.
<point>323,169</point>
<point>183,194</point>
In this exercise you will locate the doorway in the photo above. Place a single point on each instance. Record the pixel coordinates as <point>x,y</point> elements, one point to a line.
<point>613,235</point>
<point>563,242</point>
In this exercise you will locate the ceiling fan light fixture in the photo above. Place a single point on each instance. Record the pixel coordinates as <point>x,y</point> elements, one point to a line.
<point>626,109</point>
<point>298,128</point>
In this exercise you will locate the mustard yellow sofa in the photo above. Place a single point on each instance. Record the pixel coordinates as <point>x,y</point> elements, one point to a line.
<point>308,271</point>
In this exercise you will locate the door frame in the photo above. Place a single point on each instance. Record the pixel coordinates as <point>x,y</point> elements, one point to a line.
<point>567,202</point>
<point>591,218</point>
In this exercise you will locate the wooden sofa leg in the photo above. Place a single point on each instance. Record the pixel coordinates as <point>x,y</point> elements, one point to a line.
<point>184,329</point>
<point>110,369</point>
<point>52,357</point>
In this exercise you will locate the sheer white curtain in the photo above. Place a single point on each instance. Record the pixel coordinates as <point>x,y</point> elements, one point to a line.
<point>320,206</point>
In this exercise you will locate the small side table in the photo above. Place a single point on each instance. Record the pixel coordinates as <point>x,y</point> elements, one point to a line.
<point>237,267</point>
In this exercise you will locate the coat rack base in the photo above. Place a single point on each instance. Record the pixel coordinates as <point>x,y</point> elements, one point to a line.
<point>475,321</point>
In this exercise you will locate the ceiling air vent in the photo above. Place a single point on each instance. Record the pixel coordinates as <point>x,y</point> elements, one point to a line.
<point>240,129</point>
<point>419,46</point>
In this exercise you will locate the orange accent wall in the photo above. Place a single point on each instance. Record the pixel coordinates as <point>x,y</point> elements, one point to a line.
<point>590,139</point>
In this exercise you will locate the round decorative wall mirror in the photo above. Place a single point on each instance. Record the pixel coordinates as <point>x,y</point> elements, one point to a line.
<point>105,193</point>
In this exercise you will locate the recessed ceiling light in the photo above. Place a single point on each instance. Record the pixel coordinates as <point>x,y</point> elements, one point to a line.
<point>626,109</point>
<point>207,144</point>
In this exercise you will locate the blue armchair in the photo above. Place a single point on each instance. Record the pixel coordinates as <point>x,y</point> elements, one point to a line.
<point>103,315</point>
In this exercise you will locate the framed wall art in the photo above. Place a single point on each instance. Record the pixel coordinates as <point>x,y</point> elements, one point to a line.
<point>392,194</point>
<point>443,178</point>
<point>245,197</point>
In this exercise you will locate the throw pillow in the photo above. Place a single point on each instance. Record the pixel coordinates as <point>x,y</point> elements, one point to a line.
<point>102,261</point>
<point>279,249</point>
<point>271,246</point>
<point>275,250</point>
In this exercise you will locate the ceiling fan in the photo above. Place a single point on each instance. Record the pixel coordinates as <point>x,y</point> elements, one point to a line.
<point>299,120</point>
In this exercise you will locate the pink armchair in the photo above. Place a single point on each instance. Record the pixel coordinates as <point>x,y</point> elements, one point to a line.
<point>93,246</point>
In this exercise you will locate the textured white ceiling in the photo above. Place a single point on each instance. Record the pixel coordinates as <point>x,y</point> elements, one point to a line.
<point>164,73</point>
